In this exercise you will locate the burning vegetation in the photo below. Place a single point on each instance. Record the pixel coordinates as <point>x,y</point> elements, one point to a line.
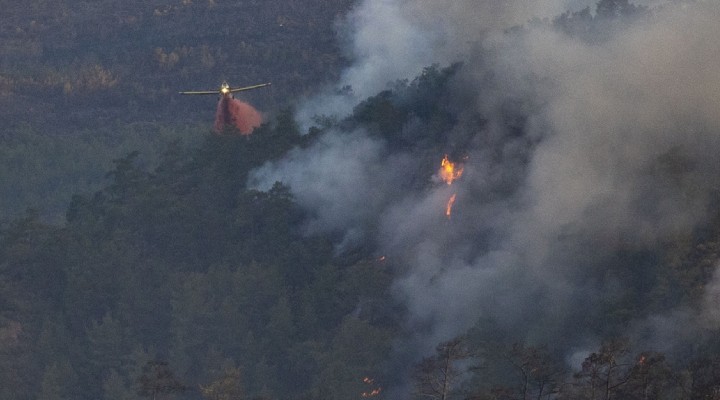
<point>449,205</point>
<point>449,172</point>
<point>373,391</point>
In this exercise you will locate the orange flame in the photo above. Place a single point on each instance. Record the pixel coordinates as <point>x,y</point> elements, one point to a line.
<point>449,206</point>
<point>449,171</point>
<point>372,393</point>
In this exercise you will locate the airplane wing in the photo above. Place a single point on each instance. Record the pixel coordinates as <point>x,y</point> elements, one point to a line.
<point>242,89</point>
<point>202,92</point>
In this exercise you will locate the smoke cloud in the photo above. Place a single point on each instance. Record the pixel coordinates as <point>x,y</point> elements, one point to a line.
<point>609,148</point>
<point>395,39</point>
<point>236,113</point>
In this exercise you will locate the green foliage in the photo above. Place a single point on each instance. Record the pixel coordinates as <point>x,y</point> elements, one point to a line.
<point>115,388</point>
<point>46,170</point>
<point>158,381</point>
<point>227,387</point>
<point>83,83</point>
<point>58,383</point>
<point>389,113</point>
<point>177,260</point>
<point>356,351</point>
<point>105,343</point>
<point>608,16</point>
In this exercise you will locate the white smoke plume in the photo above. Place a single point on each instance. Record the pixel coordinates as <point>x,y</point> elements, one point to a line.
<point>618,151</point>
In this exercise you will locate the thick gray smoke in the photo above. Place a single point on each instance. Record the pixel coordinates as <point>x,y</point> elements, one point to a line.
<point>618,152</point>
<point>396,39</point>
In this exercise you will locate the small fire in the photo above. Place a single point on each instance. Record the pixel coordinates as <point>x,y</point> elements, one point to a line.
<point>449,206</point>
<point>372,393</point>
<point>449,171</point>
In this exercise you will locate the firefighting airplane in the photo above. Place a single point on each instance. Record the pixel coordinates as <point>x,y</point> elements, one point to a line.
<point>226,91</point>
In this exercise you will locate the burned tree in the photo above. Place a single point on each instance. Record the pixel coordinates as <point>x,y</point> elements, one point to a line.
<point>436,376</point>
<point>537,371</point>
<point>602,374</point>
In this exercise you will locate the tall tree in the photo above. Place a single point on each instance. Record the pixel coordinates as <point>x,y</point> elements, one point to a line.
<point>227,387</point>
<point>59,382</point>
<point>603,373</point>
<point>159,382</point>
<point>537,371</point>
<point>651,378</point>
<point>115,388</point>
<point>436,376</point>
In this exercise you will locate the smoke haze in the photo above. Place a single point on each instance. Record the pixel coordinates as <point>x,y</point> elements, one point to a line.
<point>611,146</point>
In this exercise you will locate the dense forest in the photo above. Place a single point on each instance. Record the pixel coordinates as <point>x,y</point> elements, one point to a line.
<point>181,282</point>
<point>321,263</point>
<point>183,268</point>
<point>82,83</point>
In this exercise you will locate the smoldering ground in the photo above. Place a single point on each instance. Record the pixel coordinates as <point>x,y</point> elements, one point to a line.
<point>579,152</point>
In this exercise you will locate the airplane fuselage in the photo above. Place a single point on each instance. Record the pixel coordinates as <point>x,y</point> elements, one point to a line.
<point>226,91</point>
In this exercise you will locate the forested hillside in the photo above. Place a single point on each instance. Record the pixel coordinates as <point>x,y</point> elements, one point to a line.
<point>183,268</point>
<point>84,82</point>
<point>538,220</point>
<point>130,58</point>
<point>181,282</point>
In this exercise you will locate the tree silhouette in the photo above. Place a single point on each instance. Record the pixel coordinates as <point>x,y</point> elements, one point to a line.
<point>436,376</point>
<point>158,381</point>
